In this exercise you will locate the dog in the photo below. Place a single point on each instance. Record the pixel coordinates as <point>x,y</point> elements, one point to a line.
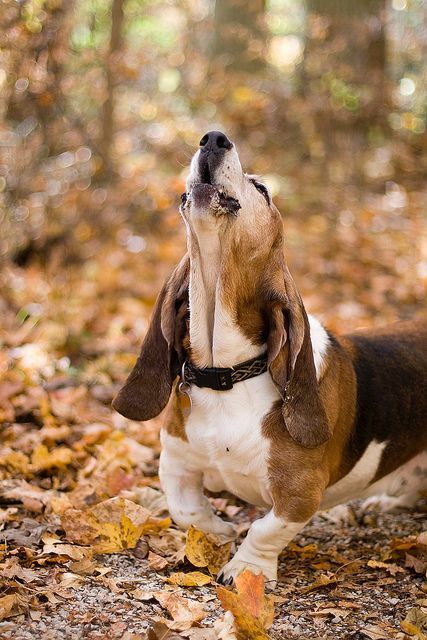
<point>263,401</point>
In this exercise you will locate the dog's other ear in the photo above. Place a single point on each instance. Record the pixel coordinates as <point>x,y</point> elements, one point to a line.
<point>148,387</point>
<point>291,362</point>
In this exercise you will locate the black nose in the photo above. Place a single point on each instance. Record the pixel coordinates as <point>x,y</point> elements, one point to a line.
<point>215,141</point>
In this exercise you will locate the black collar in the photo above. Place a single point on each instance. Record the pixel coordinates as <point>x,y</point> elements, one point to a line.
<point>223,379</point>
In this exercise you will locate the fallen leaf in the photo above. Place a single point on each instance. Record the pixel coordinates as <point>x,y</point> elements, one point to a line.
<point>376,632</point>
<point>191,579</point>
<point>12,605</point>
<point>184,612</point>
<point>422,538</point>
<point>156,562</point>
<point>6,606</point>
<point>206,550</point>
<point>142,594</point>
<point>253,611</point>
<point>43,459</point>
<point>118,524</point>
<point>224,627</point>
<point>159,631</point>
<point>149,498</point>
<point>16,460</point>
<point>415,623</point>
<point>71,580</point>
<point>331,611</point>
<point>387,566</point>
<point>418,565</point>
<point>12,569</point>
<point>71,551</point>
<point>323,580</point>
<point>112,525</point>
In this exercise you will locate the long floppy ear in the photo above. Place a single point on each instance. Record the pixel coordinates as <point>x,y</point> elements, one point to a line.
<point>148,387</point>
<point>291,363</point>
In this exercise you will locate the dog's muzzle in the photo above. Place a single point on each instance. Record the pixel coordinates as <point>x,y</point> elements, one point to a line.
<point>207,198</point>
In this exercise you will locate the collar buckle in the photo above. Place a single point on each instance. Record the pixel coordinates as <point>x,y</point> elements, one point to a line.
<point>224,379</point>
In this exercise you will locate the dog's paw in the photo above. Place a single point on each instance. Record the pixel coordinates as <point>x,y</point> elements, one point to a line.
<point>388,504</point>
<point>207,522</point>
<point>216,525</point>
<point>235,567</point>
<point>342,514</point>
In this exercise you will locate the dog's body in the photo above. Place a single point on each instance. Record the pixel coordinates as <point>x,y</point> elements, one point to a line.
<point>331,419</point>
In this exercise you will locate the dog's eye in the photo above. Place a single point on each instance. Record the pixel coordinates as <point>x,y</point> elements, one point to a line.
<point>183,199</point>
<point>262,189</point>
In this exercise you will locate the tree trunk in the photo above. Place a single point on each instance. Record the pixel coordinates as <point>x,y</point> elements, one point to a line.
<point>239,41</point>
<point>116,42</point>
<point>343,78</point>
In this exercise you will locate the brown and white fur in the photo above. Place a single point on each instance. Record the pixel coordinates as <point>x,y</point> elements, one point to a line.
<point>333,418</point>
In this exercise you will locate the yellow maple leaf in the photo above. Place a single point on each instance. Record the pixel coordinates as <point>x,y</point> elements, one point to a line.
<point>118,524</point>
<point>253,611</point>
<point>155,525</point>
<point>206,550</point>
<point>191,579</point>
<point>43,459</point>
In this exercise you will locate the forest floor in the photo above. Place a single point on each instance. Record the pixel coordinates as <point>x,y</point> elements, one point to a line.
<point>86,547</point>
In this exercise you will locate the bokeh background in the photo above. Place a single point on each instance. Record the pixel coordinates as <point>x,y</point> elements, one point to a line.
<point>102,104</point>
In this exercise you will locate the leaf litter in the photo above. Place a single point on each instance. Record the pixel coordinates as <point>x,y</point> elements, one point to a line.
<point>86,543</point>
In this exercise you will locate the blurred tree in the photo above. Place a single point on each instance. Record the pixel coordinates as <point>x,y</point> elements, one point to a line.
<point>38,55</point>
<point>111,75</point>
<point>343,75</point>
<point>239,40</point>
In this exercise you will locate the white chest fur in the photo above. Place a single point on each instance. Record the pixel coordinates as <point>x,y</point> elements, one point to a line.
<point>225,428</point>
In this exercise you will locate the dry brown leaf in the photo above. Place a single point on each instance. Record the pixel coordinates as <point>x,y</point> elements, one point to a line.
<point>323,580</point>
<point>387,566</point>
<point>184,612</point>
<point>417,564</point>
<point>142,594</point>
<point>156,562</point>
<point>415,623</point>
<point>191,579</point>
<point>6,606</point>
<point>159,631</point>
<point>71,551</point>
<point>253,611</point>
<point>331,611</point>
<point>149,498</point>
<point>12,605</point>
<point>224,627</point>
<point>422,538</point>
<point>377,632</point>
<point>12,569</point>
<point>206,550</point>
<point>71,580</point>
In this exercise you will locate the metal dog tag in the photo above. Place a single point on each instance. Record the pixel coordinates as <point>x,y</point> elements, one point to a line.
<point>184,395</point>
<point>184,398</point>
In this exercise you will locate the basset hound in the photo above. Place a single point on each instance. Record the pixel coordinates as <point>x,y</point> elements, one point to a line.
<point>263,401</point>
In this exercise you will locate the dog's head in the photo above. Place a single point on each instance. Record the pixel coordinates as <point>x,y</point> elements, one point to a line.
<point>237,208</point>
<point>222,198</point>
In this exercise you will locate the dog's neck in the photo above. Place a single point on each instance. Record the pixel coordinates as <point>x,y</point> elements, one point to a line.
<point>216,339</point>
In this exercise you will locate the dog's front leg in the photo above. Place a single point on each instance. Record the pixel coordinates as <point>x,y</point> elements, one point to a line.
<point>181,477</point>
<point>259,551</point>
